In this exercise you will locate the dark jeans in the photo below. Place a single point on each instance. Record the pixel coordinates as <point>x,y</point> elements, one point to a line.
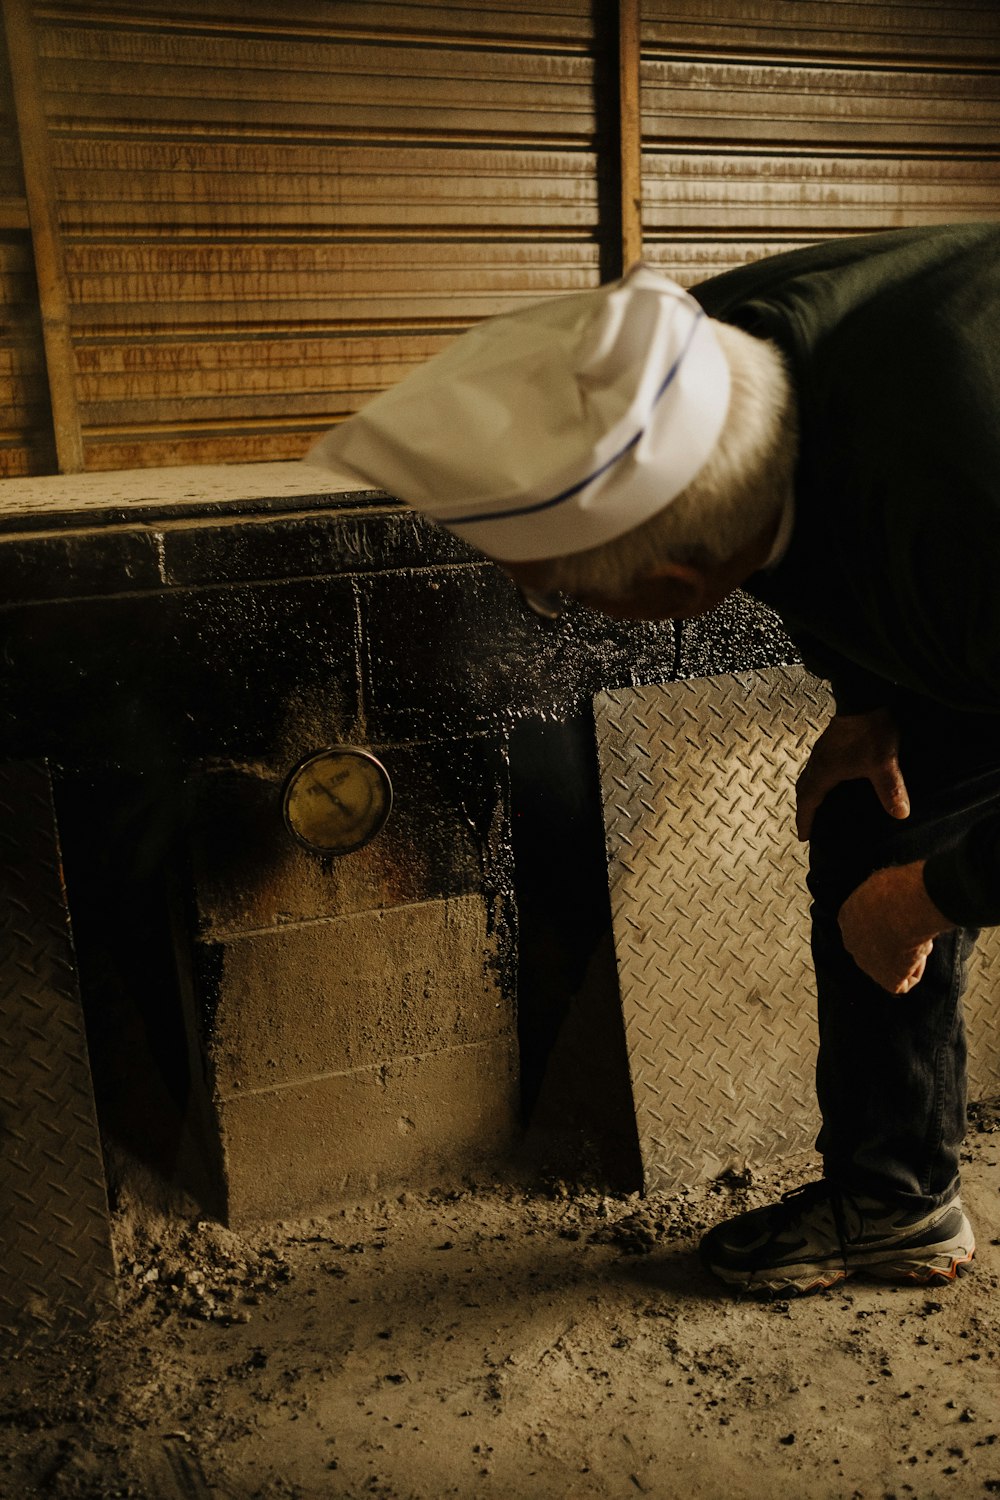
<point>891,1070</point>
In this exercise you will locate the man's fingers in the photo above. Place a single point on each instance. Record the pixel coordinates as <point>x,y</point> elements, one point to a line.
<point>889,924</point>
<point>891,790</point>
<point>810,789</point>
<point>805,811</point>
<point>915,975</point>
<point>898,973</point>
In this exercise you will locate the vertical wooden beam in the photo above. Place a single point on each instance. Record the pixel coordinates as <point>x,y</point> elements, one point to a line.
<point>630,130</point>
<point>50,268</point>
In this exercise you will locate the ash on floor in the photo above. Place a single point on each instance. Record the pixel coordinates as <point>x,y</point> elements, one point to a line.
<point>511,1345</point>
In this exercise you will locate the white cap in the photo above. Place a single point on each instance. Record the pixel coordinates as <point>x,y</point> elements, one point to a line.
<point>552,429</point>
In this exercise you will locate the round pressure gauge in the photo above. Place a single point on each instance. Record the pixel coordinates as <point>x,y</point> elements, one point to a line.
<point>336,800</point>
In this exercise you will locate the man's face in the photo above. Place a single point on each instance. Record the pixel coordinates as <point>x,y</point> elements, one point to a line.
<point>675,592</point>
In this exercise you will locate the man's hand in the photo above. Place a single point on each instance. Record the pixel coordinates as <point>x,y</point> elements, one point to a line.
<point>889,925</point>
<point>853,747</point>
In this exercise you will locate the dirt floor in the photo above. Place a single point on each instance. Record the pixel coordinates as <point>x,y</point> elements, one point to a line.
<point>510,1345</point>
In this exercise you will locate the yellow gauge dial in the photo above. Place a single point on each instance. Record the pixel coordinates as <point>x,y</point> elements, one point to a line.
<point>336,800</point>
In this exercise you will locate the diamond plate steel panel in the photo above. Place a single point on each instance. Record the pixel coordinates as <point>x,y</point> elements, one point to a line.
<point>710,918</point>
<point>982,1017</point>
<point>55,1248</point>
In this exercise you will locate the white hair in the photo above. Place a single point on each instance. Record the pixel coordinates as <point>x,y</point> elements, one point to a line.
<point>741,488</point>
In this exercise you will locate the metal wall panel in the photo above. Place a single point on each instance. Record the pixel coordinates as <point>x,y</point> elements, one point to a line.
<point>270,214</point>
<point>25,427</point>
<point>807,105</point>
<point>780,201</point>
<point>55,1243</point>
<point>710,917</point>
<point>912,30</point>
<point>792,123</point>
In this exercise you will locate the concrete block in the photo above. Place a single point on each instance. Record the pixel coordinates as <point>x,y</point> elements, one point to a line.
<point>414,1122</point>
<point>359,537</point>
<point>78,564</point>
<point>449,814</point>
<point>316,998</point>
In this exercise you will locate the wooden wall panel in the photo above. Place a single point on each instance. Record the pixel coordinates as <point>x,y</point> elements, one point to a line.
<point>270,213</point>
<point>821,118</point>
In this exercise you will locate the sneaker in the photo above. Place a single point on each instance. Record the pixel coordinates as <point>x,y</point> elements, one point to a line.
<point>819,1235</point>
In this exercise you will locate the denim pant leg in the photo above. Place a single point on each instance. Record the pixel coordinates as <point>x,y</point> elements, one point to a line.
<point>891,1068</point>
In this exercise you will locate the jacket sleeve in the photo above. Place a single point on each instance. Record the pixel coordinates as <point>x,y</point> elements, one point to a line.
<point>963,880</point>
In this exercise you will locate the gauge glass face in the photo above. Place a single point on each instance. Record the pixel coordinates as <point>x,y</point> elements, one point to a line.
<point>337,800</point>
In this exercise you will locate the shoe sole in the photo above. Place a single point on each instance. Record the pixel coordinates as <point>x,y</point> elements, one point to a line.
<point>936,1264</point>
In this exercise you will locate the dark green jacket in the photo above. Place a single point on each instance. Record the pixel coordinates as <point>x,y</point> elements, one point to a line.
<point>891,581</point>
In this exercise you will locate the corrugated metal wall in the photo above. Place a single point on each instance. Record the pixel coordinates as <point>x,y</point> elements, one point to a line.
<point>267,212</point>
<point>812,119</point>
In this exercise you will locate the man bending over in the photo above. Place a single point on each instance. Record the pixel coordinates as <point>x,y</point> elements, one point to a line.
<point>822,429</point>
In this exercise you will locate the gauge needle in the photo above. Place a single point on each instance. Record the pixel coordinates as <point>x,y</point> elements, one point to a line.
<point>331,797</point>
